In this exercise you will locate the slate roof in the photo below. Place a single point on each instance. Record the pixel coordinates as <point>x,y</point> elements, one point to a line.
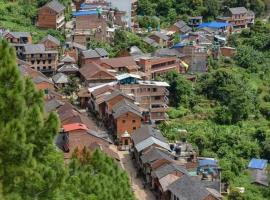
<point>260,177</point>
<point>150,42</point>
<point>34,48</point>
<point>120,62</point>
<point>53,105</point>
<point>60,78</point>
<point>41,79</point>
<point>125,106</point>
<point>153,155</point>
<point>89,70</point>
<point>117,93</point>
<point>19,34</point>
<point>238,10</point>
<point>55,5</point>
<point>102,52</point>
<point>186,188</point>
<point>76,45</point>
<point>52,39</point>
<point>145,132</point>
<point>183,26</point>
<point>90,54</point>
<point>68,68</point>
<point>167,169</point>
<point>165,52</point>
<point>167,180</point>
<point>161,35</point>
<point>68,59</point>
<point>134,50</point>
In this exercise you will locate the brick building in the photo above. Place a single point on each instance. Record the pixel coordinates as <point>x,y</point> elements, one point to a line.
<point>18,37</point>
<point>51,15</point>
<point>39,58</point>
<point>156,66</point>
<point>239,17</point>
<point>51,43</point>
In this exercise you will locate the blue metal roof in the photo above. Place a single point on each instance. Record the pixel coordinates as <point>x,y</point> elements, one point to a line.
<point>206,162</point>
<point>257,163</point>
<point>84,13</point>
<point>179,45</point>
<point>214,24</point>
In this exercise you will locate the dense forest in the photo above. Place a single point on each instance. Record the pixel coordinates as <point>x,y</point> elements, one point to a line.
<point>30,166</point>
<point>165,12</point>
<point>226,112</point>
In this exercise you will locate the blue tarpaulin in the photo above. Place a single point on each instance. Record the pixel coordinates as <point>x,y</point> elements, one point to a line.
<point>207,162</point>
<point>83,13</point>
<point>257,163</point>
<point>214,24</point>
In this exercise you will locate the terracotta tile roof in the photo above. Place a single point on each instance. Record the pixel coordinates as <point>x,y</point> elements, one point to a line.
<point>74,127</point>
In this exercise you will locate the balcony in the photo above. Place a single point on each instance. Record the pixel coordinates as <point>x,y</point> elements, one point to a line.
<point>160,109</point>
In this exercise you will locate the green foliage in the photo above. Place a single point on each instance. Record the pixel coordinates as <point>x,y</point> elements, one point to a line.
<point>31,167</point>
<point>177,113</point>
<point>181,91</point>
<point>72,86</point>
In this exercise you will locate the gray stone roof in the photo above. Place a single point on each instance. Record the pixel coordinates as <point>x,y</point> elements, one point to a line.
<point>186,188</point>
<point>76,45</point>
<point>238,10</point>
<point>183,26</point>
<point>34,48</point>
<point>150,42</point>
<point>161,35</point>
<point>90,54</point>
<point>68,68</point>
<point>52,39</point>
<point>102,52</point>
<point>116,93</point>
<point>153,155</point>
<point>134,50</point>
<point>40,79</point>
<point>56,6</point>
<point>68,59</point>
<point>167,169</point>
<point>165,52</point>
<point>125,106</point>
<point>260,177</point>
<point>19,34</point>
<point>145,132</point>
<point>60,78</point>
<point>53,105</point>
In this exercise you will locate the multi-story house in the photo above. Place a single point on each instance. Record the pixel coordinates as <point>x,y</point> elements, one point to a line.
<point>40,59</point>
<point>239,17</point>
<point>156,66</point>
<point>51,43</point>
<point>18,37</point>
<point>89,24</point>
<point>51,15</point>
<point>151,96</point>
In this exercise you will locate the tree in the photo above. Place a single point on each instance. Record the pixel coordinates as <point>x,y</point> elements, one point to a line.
<point>28,167</point>
<point>72,86</point>
<point>212,7</point>
<point>180,89</point>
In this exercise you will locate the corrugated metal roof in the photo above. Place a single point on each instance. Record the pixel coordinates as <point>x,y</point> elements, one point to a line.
<point>84,13</point>
<point>257,163</point>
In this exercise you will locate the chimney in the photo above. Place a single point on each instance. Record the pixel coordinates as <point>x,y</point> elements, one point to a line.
<point>146,65</point>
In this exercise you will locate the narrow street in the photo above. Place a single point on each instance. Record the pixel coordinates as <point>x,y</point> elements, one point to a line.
<point>140,192</point>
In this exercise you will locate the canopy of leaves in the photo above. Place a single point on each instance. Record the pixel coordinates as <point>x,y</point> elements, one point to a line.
<point>30,165</point>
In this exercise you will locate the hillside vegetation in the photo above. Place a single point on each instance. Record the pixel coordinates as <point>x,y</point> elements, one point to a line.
<point>226,112</point>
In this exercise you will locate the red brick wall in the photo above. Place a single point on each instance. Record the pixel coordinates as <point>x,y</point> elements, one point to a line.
<point>46,18</point>
<point>88,22</point>
<point>50,45</point>
<point>126,123</point>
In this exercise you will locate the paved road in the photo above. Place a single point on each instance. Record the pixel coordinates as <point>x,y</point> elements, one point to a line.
<point>140,192</point>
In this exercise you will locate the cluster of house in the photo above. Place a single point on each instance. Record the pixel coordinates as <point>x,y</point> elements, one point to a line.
<point>173,171</point>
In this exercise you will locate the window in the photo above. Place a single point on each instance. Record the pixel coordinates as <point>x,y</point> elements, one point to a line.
<point>50,61</point>
<point>50,67</point>
<point>38,61</point>
<point>44,67</point>
<point>123,121</point>
<point>154,89</point>
<point>43,61</point>
<point>126,142</point>
<point>32,62</point>
<point>134,128</point>
<point>133,121</point>
<point>38,68</point>
<point>148,89</point>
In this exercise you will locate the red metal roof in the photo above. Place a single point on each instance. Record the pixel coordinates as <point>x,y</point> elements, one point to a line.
<point>74,126</point>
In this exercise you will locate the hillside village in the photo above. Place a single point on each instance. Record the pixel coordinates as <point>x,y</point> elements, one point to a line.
<point>116,102</point>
